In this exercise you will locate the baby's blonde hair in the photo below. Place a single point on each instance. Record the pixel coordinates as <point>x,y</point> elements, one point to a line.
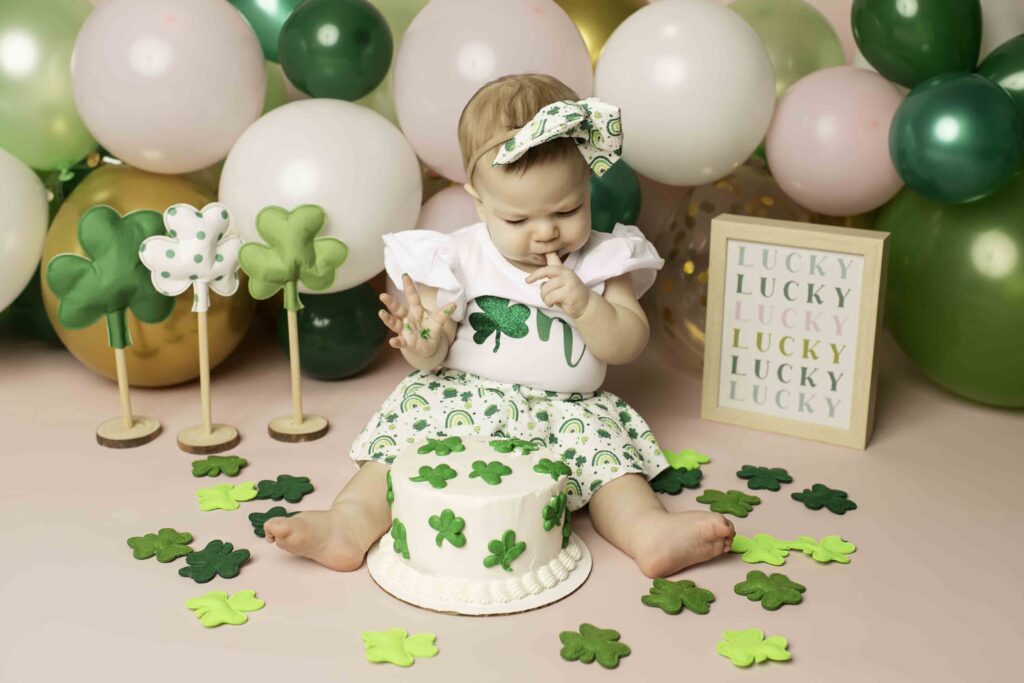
<point>508,103</point>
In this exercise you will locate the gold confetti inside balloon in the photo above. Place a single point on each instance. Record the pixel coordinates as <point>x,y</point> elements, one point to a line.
<point>596,19</point>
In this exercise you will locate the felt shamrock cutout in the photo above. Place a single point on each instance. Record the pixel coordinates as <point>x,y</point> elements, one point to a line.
<point>396,646</point>
<point>552,512</point>
<point>390,495</point>
<point>167,544</point>
<point>673,596</point>
<point>436,476</point>
<point>491,472</point>
<point>258,519</point>
<point>217,558</point>
<point>398,534</point>
<point>110,278</point>
<point>672,481</point>
<point>761,548</point>
<point>194,253</point>
<point>819,496</point>
<point>773,591</point>
<point>448,527</point>
<point>453,444</point>
<point>225,496</point>
<point>566,528</point>
<point>498,318</point>
<point>831,548</point>
<point>216,608</point>
<point>743,648</point>
<point>504,551</point>
<point>733,503</point>
<point>764,477</point>
<point>292,489</point>
<point>294,253</point>
<point>593,643</point>
<point>214,465</point>
<point>509,445</point>
<point>555,468</point>
<point>688,459</point>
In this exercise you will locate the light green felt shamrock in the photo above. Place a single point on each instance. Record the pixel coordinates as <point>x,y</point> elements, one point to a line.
<point>555,468</point>
<point>552,512</point>
<point>449,528</point>
<point>831,549</point>
<point>110,278</point>
<point>773,591</point>
<point>214,465</point>
<point>225,496</point>
<point>436,476</point>
<point>216,559</point>
<point>761,548</point>
<point>504,551</point>
<point>398,534</point>
<point>508,445</point>
<point>294,254</point>
<point>593,643</point>
<point>491,472</point>
<point>216,608</point>
<point>733,502</point>
<point>743,648</point>
<point>396,646</point>
<point>167,544</point>
<point>687,459</point>
<point>453,444</point>
<point>672,596</point>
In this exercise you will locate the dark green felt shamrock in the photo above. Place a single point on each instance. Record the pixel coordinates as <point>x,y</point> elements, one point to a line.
<point>672,481</point>
<point>258,519</point>
<point>593,643</point>
<point>214,465</point>
<point>552,512</point>
<point>452,444</point>
<point>449,528</point>
<point>216,559</point>
<point>773,591</point>
<point>672,596</point>
<point>764,477</point>
<point>398,534</point>
<point>110,278</point>
<point>552,467</point>
<point>500,318</point>
<point>167,544</point>
<point>819,496</point>
<point>733,503</point>
<point>508,445</point>
<point>286,486</point>
<point>491,472</point>
<point>435,476</point>
<point>504,551</point>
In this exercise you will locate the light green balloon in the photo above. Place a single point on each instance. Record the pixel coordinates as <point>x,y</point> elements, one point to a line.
<point>799,38</point>
<point>277,94</point>
<point>398,14</point>
<point>39,121</point>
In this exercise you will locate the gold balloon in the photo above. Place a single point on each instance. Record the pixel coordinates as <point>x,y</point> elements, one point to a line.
<point>596,19</point>
<point>162,354</point>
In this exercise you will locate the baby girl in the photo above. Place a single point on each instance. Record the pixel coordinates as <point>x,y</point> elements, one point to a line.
<point>479,327</point>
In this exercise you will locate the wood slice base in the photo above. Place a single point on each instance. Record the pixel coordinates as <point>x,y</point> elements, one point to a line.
<point>287,430</point>
<point>112,433</point>
<point>195,439</point>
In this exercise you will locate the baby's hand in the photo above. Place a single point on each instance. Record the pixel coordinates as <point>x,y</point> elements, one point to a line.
<point>416,329</point>
<point>563,288</point>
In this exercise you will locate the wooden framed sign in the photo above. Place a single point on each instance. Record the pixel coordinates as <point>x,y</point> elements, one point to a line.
<point>794,312</point>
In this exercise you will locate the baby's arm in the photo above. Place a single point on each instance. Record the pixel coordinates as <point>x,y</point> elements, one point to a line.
<point>614,326</point>
<point>423,332</point>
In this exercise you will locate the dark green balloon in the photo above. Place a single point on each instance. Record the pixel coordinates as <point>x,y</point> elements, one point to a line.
<point>956,137</point>
<point>339,334</point>
<point>26,318</point>
<point>614,197</point>
<point>909,41</point>
<point>1005,67</point>
<point>955,295</point>
<point>336,48</point>
<point>266,18</point>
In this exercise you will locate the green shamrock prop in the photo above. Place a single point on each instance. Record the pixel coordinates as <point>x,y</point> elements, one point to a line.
<point>398,534</point>
<point>396,646</point>
<point>453,444</point>
<point>672,596</point>
<point>508,445</point>
<point>110,278</point>
<point>764,477</point>
<point>214,465</point>
<point>733,503</point>
<point>593,643</point>
<point>498,317</point>
<point>761,548</point>
<point>773,591</point>
<point>449,528</point>
<point>553,468</point>
<point>167,544</point>
<point>225,496</point>
<point>688,459</point>
<point>216,608</point>
<point>552,512</point>
<point>258,519</point>
<point>831,549</point>
<point>819,496</point>
<point>292,489</point>
<point>216,559</point>
<point>743,648</point>
<point>672,481</point>
<point>436,476</point>
<point>491,472</point>
<point>504,551</point>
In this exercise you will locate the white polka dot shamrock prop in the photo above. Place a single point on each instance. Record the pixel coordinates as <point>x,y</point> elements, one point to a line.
<point>196,253</point>
<point>292,253</point>
<point>108,281</point>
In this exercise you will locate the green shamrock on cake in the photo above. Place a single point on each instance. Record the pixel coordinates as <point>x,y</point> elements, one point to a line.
<point>453,444</point>
<point>435,476</point>
<point>449,528</point>
<point>551,467</point>
<point>398,534</point>
<point>504,551</point>
<point>491,472</point>
<point>552,512</point>
<point>509,445</point>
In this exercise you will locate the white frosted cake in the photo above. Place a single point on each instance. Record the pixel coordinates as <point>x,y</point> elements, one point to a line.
<point>479,527</point>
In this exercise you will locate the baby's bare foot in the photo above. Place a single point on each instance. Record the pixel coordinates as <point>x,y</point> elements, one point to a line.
<point>674,541</point>
<point>321,535</point>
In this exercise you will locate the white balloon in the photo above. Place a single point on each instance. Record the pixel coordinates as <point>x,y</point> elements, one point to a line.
<point>448,210</point>
<point>168,85</point>
<point>25,215</point>
<point>341,156</point>
<point>695,86</point>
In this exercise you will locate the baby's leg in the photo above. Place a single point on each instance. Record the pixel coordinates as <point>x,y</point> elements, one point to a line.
<point>339,537</point>
<point>629,515</point>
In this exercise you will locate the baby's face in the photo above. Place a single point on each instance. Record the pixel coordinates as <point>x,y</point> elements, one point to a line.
<point>545,209</point>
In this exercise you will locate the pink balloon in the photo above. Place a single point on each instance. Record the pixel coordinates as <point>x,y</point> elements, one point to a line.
<point>453,47</point>
<point>448,210</point>
<point>828,145</point>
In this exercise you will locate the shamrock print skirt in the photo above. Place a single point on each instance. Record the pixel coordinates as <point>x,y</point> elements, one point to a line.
<point>596,434</point>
